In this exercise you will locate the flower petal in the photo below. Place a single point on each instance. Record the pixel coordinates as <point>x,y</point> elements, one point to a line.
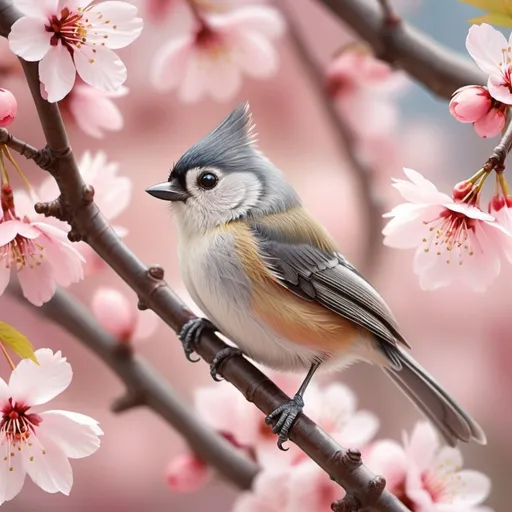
<point>37,8</point>
<point>5,277</point>
<point>422,445</point>
<point>57,73</point>
<point>359,430</point>
<point>102,69</point>
<point>37,283</point>
<point>15,478</point>
<point>195,80</point>
<point>48,467</point>
<point>388,458</point>
<point>224,78</point>
<point>4,391</point>
<point>75,434</point>
<point>123,27</point>
<point>469,488</point>
<point>255,55</point>
<point>485,44</point>
<point>499,89</point>
<point>35,384</point>
<point>29,40</point>
<point>171,62</point>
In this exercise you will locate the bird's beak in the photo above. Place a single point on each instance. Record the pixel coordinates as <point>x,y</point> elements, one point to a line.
<point>167,191</point>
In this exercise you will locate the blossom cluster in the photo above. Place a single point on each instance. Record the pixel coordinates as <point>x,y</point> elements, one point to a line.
<point>424,475</point>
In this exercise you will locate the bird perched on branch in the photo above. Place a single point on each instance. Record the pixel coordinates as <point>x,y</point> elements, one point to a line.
<point>270,277</point>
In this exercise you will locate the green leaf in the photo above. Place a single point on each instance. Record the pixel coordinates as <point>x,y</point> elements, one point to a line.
<point>12,338</point>
<point>499,12</point>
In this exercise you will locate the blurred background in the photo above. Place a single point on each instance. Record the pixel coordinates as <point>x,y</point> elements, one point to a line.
<point>461,337</point>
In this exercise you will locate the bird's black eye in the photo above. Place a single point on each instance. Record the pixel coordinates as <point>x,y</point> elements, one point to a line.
<point>207,180</point>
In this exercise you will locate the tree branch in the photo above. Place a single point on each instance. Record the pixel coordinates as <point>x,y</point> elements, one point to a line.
<point>438,68</point>
<point>145,387</point>
<point>497,160</point>
<point>76,200</point>
<point>344,133</point>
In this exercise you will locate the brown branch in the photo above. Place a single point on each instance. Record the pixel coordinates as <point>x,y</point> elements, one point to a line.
<point>145,387</point>
<point>438,68</point>
<point>153,292</point>
<point>497,160</point>
<point>345,135</point>
<point>389,17</point>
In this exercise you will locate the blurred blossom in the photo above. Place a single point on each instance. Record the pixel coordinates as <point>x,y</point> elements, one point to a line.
<point>187,473</point>
<point>473,104</point>
<point>40,444</point>
<point>364,88</point>
<point>302,488</point>
<point>428,477</point>
<point>211,58</point>
<point>454,242</point>
<point>120,317</point>
<point>75,36</point>
<point>93,110</point>
<point>39,253</point>
<point>8,107</point>
<point>492,54</point>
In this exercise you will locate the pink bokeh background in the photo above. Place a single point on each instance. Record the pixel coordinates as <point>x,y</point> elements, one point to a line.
<point>461,337</point>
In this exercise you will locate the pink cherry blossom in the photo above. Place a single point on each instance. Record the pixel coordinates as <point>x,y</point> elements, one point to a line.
<point>40,443</point>
<point>39,253</point>
<point>187,473</point>
<point>455,242</point>
<point>426,476</point>
<point>356,77</point>
<point>501,209</point>
<point>211,58</point>
<point>93,110</point>
<point>70,36</point>
<point>473,104</point>
<point>120,317</point>
<point>492,54</point>
<point>302,488</point>
<point>8,107</point>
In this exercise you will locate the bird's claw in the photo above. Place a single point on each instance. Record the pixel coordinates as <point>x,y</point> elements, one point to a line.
<point>218,360</point>
<point>286,415</point>
<point>190,333</point>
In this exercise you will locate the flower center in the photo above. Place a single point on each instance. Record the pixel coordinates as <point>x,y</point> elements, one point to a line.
<point>450,234</point>
<point>21,252</point>
<point>70,29</point>
<point>16,428</point>
<point>505,65</point>
<point>211,42</point>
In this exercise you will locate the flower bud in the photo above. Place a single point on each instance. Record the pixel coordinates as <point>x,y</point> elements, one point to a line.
<point>496,204</point>
<point>187,473</point>
<point>114,313</point>
<point>461,190</point>
<point>491,124</point>
<point>469,104</point>
<point>8,107</point>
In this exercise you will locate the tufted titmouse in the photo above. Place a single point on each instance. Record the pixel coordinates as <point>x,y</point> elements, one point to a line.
<point>271,278</point>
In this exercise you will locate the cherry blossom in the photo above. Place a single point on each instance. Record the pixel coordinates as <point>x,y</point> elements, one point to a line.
<point>70,36</point>
<point>212,56</point>
<point>356,77</point>
<point>492,54</point>
<point>93,110</point>
<point>302,488</point>
<point>121,318</point>
<point>426,476</point>
<point>40,443</point>
<point>8,107</point>
<point>39,253</point>
<point>455,242</point>
<point>473,104</point>
<point>187,473</point>
<point>501,209</point>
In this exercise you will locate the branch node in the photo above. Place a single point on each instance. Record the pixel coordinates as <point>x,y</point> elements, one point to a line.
<point>74,236</point>
<point>130,400</point>
<point>44,158</point>
<point>351,459</point>
<point>88,193</point>
<point>376,487</point>
<point>142,305</point>
<point>348,503</point>
<point>156,272</point>
<point>51,209</point>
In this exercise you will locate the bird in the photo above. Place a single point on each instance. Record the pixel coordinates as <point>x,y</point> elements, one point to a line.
<point>269,276</point>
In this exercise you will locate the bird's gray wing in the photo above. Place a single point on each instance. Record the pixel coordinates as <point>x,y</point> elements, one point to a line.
<point>327,278</point>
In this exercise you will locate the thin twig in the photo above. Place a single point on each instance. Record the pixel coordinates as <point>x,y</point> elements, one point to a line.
<point>363,174</point>
<point>497,160</point>
<point>88,223</point>
<point>145,387</point>
<point>438,68</point>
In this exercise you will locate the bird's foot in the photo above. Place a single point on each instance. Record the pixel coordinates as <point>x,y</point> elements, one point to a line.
<point>220,358</point>
<point>190,333</point>
<point>286,415</point>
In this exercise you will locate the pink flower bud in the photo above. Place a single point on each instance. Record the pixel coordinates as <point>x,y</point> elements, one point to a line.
<point>114,313</point>
<point>8,107</point>
<point>470,103</point>
<point>491,124</point>
<point>461,190</point>
<point>187,473</point>
<point>496,204</point>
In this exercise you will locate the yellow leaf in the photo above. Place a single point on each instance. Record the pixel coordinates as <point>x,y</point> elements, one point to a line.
<point>12,338</point>
<point>499,12</point>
